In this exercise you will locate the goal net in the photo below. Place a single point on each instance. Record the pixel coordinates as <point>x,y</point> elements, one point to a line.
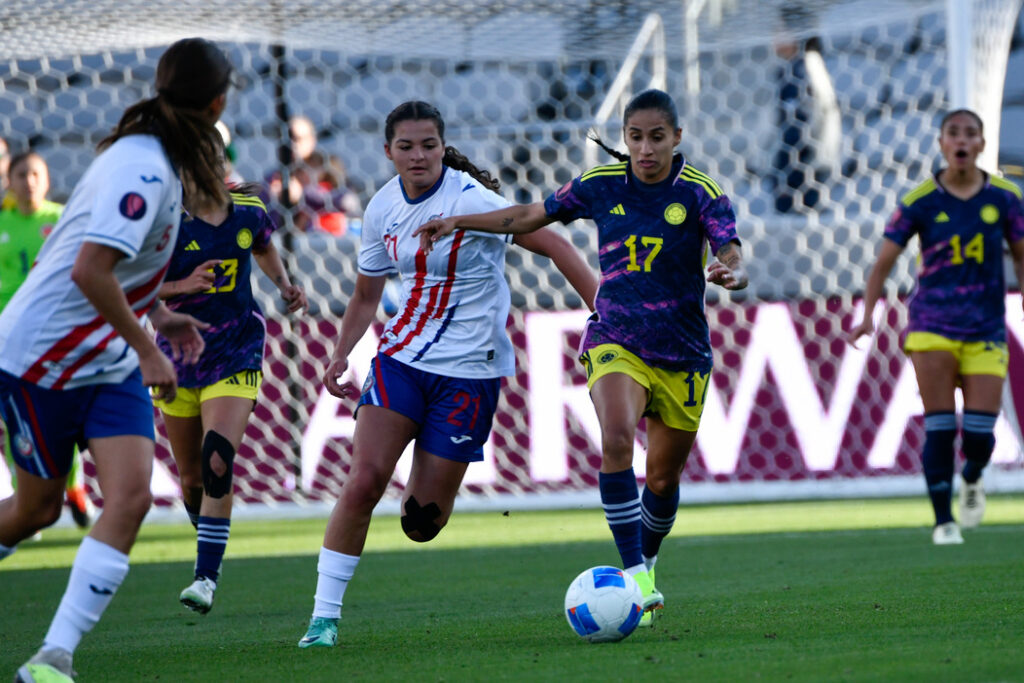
<point>814,117</point>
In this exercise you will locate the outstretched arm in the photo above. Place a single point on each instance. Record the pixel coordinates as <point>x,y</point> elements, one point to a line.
<point>359,313</point>
<point>512,220</point>
<point>887,256</point>
<point>727,271</point>
<point>567,259</point>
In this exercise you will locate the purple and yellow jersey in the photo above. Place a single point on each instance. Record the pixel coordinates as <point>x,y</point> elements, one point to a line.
<point>961,288</point>
<point>652,241</point>
<point>235,339</point>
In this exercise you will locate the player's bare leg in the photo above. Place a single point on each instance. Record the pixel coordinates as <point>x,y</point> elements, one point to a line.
<point>35,505</point>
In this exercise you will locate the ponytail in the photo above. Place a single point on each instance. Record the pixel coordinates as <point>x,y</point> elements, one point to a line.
<point>453,158</point>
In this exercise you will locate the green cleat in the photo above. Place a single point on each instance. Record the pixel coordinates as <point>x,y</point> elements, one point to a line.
<point>653,599</point>
<point>322,632</point>
<point>47,666</point>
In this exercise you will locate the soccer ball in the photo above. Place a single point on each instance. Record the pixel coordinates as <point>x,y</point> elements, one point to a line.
<point>603,604</point>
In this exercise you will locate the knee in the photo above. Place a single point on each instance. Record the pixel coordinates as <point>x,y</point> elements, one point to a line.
<point>134,505</point>
<point>40,514</point>
<point>662,484</point>
<point>363,490</point>
<point>191,479</point>
<point>422,523</point>
<point>617,444</point>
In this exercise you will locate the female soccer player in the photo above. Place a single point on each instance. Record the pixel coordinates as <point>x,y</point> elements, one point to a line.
<point>437,372</point>
<point>646,349</point>
<point>79,373</point>
<point>957,332</point>
<point>209,277</point>
<point>23,227</point>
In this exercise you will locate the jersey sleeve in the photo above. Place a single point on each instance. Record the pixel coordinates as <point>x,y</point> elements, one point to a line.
<point>569,202</point>
<point>265,228</point>
<point>373,259</point>
<point>127,205</point>
<point>1014,229</point>
<point>718,220</point>
<point>900,227</point>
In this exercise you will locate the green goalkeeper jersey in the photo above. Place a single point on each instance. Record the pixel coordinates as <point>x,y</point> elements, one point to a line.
<point>21,237</point>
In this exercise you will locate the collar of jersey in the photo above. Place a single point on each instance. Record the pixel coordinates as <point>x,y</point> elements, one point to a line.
<point>426,195</point>
<point>677,167</point>
<point>942,188</point>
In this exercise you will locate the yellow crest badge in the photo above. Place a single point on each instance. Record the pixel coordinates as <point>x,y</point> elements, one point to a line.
<point>675,214</point>
<point>244,238</point>
<point>989,214</point>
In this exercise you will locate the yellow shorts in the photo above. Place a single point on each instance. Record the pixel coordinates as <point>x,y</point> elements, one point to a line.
<point>677,398</point>
<point>975,358</point>
<point>245,384</point>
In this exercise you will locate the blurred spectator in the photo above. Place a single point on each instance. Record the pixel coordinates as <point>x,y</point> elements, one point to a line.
<point>6,198</point>
<point>231,176</point>
<point>318,193</point>
<point>808,117</point>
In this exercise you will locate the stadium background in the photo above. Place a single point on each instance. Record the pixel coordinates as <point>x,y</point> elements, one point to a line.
<point>793,413</point>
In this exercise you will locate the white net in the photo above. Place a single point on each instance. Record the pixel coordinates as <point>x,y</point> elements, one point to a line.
<point>813,117</point>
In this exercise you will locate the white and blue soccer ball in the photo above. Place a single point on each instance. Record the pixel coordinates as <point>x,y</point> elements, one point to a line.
<point>603,604</point>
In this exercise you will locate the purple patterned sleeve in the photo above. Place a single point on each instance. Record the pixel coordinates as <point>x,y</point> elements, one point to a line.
<point>264,230</point>
<point>719,222</point>
<point>900,227</point>
<point>569,202</point>
<point>1015,220</point>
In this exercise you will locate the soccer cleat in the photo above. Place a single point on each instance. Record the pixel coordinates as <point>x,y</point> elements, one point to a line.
<point>972,504</point>
<point>653,599</point>
<point>947,534</point>
<point>199,596</point>
<point>46,666</point>
<point>82,509</point>
<point>322,632</point>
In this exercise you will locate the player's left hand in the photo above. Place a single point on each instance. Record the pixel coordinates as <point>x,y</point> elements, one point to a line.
<point>720,274</point>
<point>295,297</point>
<point>182,332</point>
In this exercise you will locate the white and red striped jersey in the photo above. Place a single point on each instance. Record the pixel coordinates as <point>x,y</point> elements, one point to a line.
<point>451,320</point>
<point>128,199</point>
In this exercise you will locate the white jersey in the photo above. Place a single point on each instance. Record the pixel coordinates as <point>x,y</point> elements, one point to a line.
<point>454,307</point>
<point>128,199</point>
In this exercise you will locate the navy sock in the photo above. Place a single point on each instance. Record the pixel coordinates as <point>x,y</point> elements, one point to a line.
<point>937,462</point>
<point>212,539</point>
<point>657,515</point>
<point>621,503</point>
<point>193,514</point>
<point>978,442</point>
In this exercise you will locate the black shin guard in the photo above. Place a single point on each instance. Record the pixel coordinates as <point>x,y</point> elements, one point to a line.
<point>420,520</point>
<point>217,486</point>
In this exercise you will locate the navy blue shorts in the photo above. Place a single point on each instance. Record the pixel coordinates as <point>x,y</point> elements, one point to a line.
<point>454,415</point>
<point>45,425</point>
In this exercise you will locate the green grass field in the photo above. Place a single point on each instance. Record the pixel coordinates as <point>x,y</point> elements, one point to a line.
<point>837,591</point>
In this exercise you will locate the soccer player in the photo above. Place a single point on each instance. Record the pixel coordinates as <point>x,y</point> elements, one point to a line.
<point>957,331</point>
<point>78,374</point>
<point>23,227</point>
<point>210,278</point>
<point>437,371</point>
<point>646,349</point>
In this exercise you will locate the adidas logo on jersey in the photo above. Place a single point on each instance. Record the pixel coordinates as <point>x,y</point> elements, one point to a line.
<point>192,246</point>
<point>942,217</point>
<point>618,210</point>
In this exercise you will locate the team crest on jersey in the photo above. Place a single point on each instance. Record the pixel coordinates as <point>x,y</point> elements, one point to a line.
<point>607,357</point>
<point>244,238</point>
<point>133,206</point>
<point>989,214</point>
<point>23,445</point>
<point>675,214</point>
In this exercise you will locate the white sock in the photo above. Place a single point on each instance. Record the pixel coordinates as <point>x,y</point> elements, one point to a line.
<point>636,569</point>
<point>96,574</point>
<point>335,571</point>
<point>5,551</point>
<point>649,562</point>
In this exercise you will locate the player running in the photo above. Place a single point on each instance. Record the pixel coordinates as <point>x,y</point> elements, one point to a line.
<point>210,277</point>
<point>646,349</point>
<point>79,372</point>
<point>957,331</point>
<point>436,375</point>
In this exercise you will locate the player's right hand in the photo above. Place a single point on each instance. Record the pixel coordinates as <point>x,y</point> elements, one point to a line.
<point>200,279</point>
<point>867,326</point>
<point>433,230</point>
<point>334,379</point>
<point>158,374</point>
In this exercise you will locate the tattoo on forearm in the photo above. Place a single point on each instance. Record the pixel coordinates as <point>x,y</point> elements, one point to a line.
<point>506,222</point>
<point>729,255</point>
